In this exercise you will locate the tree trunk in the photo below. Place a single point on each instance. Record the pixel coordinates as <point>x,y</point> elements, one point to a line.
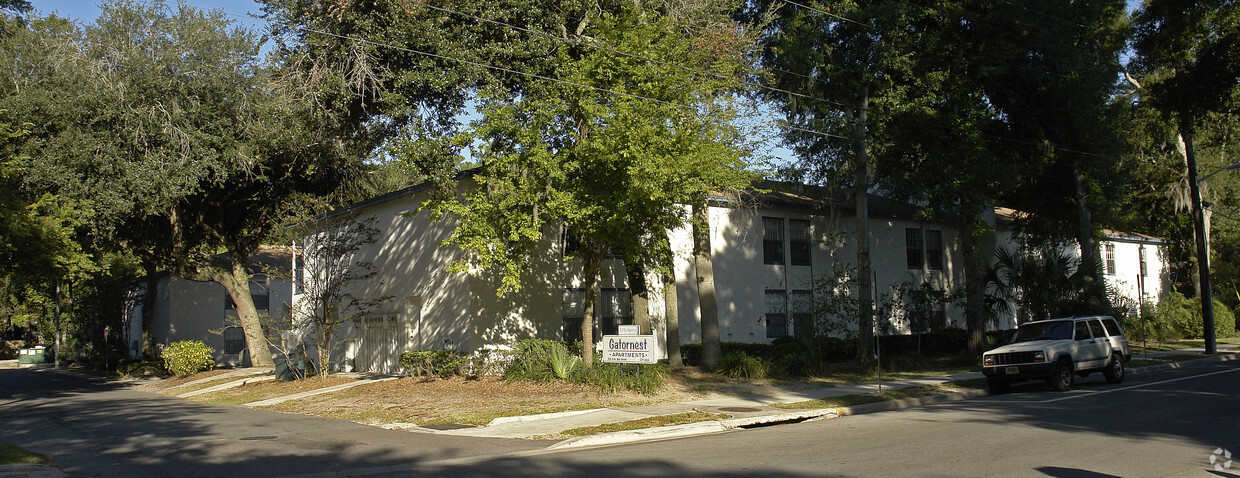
<point>974,284</point>
<point>672,319</point>
<point>592,257</point>
<point>1084,221</point>
<point>865,297</point>
<point>712,349</point>
<point>640,295</point>
<point>149,302</point>
<point>236,281</point>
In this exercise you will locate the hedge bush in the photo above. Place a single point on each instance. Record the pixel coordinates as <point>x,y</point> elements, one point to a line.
<point>188,357</point>
<point>742,365</point>
<point>439,363</point>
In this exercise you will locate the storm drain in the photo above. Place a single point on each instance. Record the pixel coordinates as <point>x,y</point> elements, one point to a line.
<point>774,422</point>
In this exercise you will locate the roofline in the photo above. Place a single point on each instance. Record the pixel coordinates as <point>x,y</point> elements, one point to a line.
<point>394,195</point>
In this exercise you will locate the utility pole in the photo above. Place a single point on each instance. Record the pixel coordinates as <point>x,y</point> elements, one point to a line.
<point>1203,243</point>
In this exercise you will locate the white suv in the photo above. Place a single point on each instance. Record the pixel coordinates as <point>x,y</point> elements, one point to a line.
<point>1056,349</point>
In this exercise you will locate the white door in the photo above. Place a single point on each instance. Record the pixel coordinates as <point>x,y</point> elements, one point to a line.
<point>380,344</point>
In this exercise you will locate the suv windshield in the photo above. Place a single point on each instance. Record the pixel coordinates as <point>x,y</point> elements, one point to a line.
<point>1057,330</point>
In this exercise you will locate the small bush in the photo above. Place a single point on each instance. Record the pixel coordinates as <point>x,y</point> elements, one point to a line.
<point>562,362</point>
<point>188,357</point>
<point>439,363</point>
<point>532,360</point>
<point>742,365</point>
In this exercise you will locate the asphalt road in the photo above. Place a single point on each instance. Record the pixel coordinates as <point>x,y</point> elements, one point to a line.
<point>95,429</point>
<point>1156,424</point>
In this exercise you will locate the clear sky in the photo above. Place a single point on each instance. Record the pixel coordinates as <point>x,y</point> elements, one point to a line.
<point>86,11</point>
<point>243,11</point>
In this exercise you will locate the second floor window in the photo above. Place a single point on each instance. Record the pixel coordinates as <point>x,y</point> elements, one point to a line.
<point>1109,250</point>
<point>923,251</point>
<point>773,240</point>
<point>799,242</point>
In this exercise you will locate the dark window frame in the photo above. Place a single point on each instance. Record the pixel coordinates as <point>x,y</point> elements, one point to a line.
<point>934,249</point>
<point>800,240</point>
<point>776,321</point>
<point>773,240</point>
<point>914,248</point>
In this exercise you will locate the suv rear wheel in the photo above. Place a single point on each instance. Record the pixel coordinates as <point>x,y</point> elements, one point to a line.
<point>1115,370</point>
<point>1061,377</point>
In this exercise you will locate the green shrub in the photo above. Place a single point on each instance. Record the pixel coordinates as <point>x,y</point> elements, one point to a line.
<point>1179,317</point>
<point>562,362</point>
<point>532,360</point>
<point>610,377</point>
<point>742,365</point>
<point>542,360</point>
<point>439,363</point>
<point>188,357</point>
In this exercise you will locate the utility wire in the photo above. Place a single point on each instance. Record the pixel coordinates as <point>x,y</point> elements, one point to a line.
<point>829,14</point>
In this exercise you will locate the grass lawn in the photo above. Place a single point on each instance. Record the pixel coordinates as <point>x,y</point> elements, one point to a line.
<point>14,455</point>
<point>1155,346</point>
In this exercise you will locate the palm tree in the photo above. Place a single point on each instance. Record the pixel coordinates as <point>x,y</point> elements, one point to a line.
<point>1045,283</point>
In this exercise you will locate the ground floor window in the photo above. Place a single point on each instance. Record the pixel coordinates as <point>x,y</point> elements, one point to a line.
<point>234,340</point>
<point>776,313</point>
<point>613,307</point>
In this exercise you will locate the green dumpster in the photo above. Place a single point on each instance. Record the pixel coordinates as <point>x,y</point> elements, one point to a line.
<point>32,355</point>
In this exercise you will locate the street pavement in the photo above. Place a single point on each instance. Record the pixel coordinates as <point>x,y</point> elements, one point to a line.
<point>749,410</point>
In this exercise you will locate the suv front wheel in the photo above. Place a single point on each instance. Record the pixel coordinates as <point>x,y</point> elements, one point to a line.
<point>1061,376</point>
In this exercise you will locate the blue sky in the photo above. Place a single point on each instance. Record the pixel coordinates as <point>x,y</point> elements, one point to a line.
<point>86,11</point>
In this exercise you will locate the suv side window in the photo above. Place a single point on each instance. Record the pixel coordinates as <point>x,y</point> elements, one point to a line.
<point>1112,328</point>
<point>1096,327</point>
<point>1082,331</point>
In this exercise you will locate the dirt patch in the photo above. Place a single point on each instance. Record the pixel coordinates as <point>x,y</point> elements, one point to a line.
<point>253,392</point>
<point>155,384</point>
<point>466,401</point>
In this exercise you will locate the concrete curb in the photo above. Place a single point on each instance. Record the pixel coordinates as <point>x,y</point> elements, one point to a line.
<point>226,386</point>
<point>31,471</point>
<point>541,416</point>
<point>903,403</point>
<point>690,429</point>
<point>311,393</point>
<point>1228,357</point>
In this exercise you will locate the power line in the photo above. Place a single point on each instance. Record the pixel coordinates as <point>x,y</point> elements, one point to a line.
<point>829,14</point>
